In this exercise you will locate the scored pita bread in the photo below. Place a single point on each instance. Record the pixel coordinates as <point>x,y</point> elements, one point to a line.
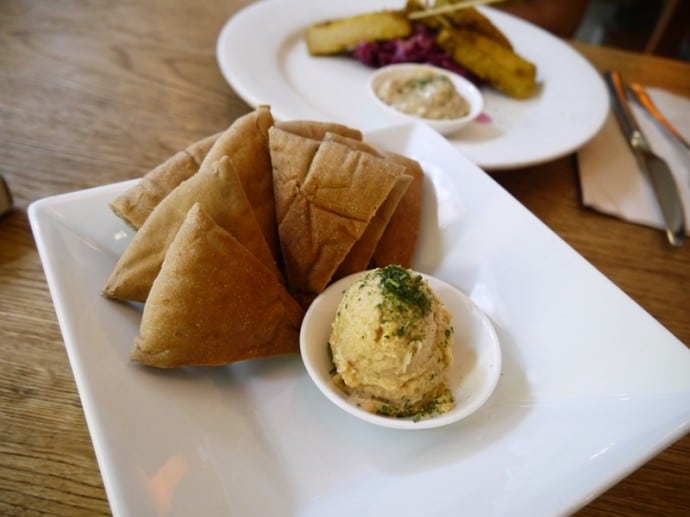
<point>220,193</point>
<point>361,253</point>
<point>214,303</point>
<point>292,146</point>
<point>359,257</point>
<point>245,143</point>
<point>397,243</point>
<point>399,240</point>
<point>333,199</point>
<point>291,155</point>
<point>136,203</point>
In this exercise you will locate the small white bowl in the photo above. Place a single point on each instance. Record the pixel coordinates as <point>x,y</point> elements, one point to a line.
<point>472,377</point>
<point>464,88</point>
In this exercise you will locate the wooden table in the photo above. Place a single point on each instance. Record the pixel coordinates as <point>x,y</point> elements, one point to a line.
<point>97,92</point>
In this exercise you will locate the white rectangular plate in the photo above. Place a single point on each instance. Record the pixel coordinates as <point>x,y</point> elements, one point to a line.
<point>592,386</point>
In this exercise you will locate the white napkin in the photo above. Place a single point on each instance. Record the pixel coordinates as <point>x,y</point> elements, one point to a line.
<point>609,175</point>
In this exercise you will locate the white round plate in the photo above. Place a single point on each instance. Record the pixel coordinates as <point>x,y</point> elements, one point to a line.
<point>262,55</point>
<point>476,355</point>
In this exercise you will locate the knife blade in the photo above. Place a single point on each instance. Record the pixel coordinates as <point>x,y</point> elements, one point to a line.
<point>655,168</point>
<point>640,95</point>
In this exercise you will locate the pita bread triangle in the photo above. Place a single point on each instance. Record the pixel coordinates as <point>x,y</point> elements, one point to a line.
<point>245,143</point>
<point>398,242</point>
<point>135,204</point>
<point>330,201</point>
<point>393,234</point>
<point>221,194</point>
<point>291,155</point>
<point>214,303</point>
<point>361,253</point>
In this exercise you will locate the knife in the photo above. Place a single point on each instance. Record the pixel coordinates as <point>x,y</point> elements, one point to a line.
<point>640,95</point>
<point>655,168</point>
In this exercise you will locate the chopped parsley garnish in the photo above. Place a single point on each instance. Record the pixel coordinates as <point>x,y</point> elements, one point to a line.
<point>403,291</point>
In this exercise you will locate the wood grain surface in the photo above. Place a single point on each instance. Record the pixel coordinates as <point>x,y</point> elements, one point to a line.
<point>94,92</point>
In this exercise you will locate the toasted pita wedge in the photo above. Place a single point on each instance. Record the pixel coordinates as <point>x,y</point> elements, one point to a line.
<point>399,240</point>
<point>317,130</point>
<point>292,146</point>
<point>214,303</point>
<point>200,149</point>
<point>245,143</point>
<point>136,203</point>
<point>221,194</point>
<point>362,252</point>
<point>334,202</point>
<point>291,156</point>
<point>398,218</point>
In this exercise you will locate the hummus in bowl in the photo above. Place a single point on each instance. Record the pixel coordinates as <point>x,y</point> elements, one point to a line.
<point>448,394</point>
<point>391,345</point>
<point>440,98</point>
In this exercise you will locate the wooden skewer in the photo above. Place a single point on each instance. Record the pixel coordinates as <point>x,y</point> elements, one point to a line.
<point>449,8</point>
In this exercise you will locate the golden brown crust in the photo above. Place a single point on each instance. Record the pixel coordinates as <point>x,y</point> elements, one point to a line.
<point>317,130</point>
<point>502,68</point>
<point>362,252</point>
<point>352,143</point>
<point>214,303</point>
<point>393,232</point>
<point>245,143</point>
<point>136,203</point>
<point>399,240</point>
<point>329,211</point>
<point>221,194</point>
<point>468,18</point>
<point>199,149</point>
<point>340,35</point>
<point>212,287</point>
<point>291,155</point>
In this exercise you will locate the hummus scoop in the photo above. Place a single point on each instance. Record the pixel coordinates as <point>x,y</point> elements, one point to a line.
<point>470,378</point>
<point>391,345</point>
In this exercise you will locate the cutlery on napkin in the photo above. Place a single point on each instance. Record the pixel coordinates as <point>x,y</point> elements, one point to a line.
<point>610,178</point>
<point>639,93</point>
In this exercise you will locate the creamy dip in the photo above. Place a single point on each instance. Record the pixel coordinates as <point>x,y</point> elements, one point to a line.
<point>423,93</point>
<point>391,345</point>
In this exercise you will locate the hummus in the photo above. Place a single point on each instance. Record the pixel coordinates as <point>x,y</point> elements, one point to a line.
<point>424,94</point>
<point>390,343</point>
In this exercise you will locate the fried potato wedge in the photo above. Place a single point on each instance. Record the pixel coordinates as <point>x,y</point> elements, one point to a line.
<point>467,18</point>
<point>342,34</point>
<point>500,67</point>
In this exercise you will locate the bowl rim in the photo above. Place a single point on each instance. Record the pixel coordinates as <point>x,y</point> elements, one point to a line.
<point>465,87</point>
<point>323,382</point>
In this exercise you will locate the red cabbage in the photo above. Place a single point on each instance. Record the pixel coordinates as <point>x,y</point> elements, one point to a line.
<point>418,47</point>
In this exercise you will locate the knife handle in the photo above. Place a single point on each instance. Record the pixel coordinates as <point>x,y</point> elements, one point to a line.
<point>621,108</point>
